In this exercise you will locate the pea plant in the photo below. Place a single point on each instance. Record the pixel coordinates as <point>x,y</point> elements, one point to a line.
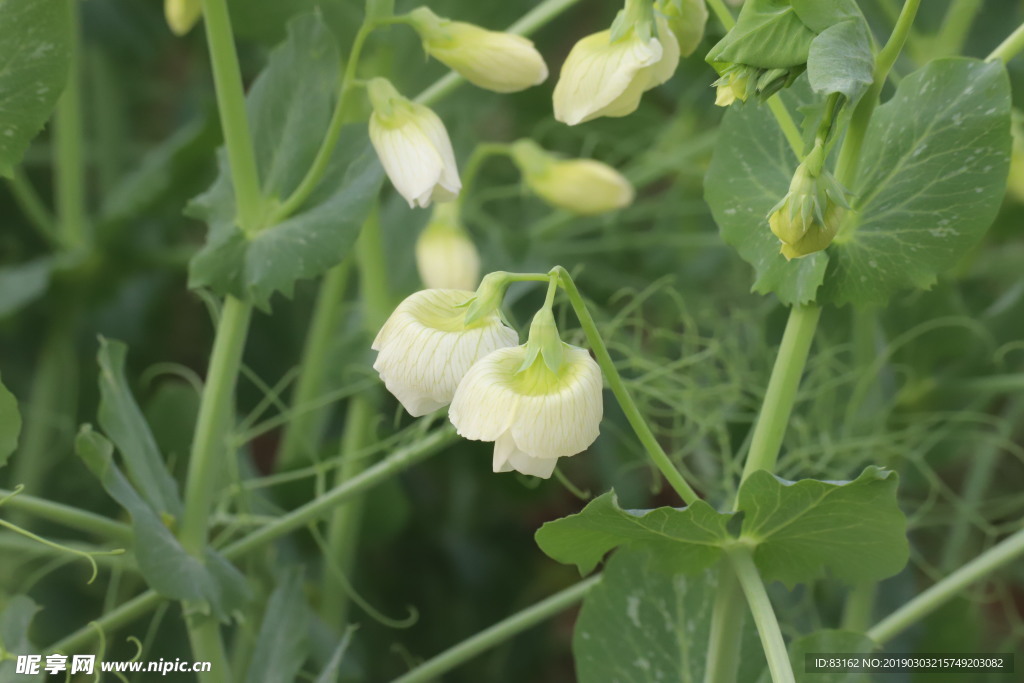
<point>805,454</point>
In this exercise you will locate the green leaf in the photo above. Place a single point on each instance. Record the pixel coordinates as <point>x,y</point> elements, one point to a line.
<point>933,174</point>
<point>828,641</point>
<point>330,671</point>
<point>640,625</point>
<point>684,540</point>
<point>121,419</point>
<point>35,53</point>
<point>283,641</point>
<point>819,16</point>
<point>749,173</point>
<point>22,284</point>
<point>854,529</point>
<point>15,621</point>
<point>167,567</point>
<point>768,34</point>
<point>290,105</point>
<point>10,424</point>
<point>841,59</point>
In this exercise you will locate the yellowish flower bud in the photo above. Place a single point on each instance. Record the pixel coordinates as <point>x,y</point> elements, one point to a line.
<point>582,186</point>
<point>413,146</point>
<point>426,347</point>
<point>445,255</point>
<point>182,15</point>
<point>502,62</point>
<point>817,236</point>
<point>732,86</point>
<point>603,76</point>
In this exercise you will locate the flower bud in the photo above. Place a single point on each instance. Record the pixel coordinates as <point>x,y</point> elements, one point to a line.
<point>502,62</point>
<point>606,73</point>
<point>582,186</point>
<point>426,347</point>
<point>182,15</point>
<point>807,219</point>
<point>818,236</point>
<point>413,146</point>
<point>533,414</point>
<point>733,85</point>
<point>445,255</point>
<point>687,20</point>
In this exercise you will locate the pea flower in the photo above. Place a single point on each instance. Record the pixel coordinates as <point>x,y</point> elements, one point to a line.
<point>582,186</point>
<point>182,15</point>
<point>445,255</point>
<point>808,217</point>
<point>413,146</point>
<point>426,347</point>
<point>606,73</point>
<point>502,62</point>
<point>537,402</point>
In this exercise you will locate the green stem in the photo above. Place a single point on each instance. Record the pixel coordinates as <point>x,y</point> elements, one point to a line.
<point>70,165</point>
<point>208,645</point>
<point>860,604</point>
<point>481,153</point>
<point>956,25</point>
<point>282,526</point>
<point>948,588</point>
<point>323,156</point>
<point>764,616</point>
<point>343,526</point>
<point>786,124</point>
<point>227,78</point>
<point>32,206</point>
<point>539,16</point>
<point>723,13</point>
<point>727,615</point>
<point>1009,48</point>
<point>849,155</point>
<point>618,387</point>
<point>782,388</point>
<point>303,431</point>
<point>69,516</point>
<point>215,410</point>
<point>498,633</point>
<point>373,274</point>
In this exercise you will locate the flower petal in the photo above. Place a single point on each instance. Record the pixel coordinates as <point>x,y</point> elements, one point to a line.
<point>484,402</point>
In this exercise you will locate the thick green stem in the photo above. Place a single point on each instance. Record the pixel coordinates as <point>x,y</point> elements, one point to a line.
<point>72,224</point>
<point>782,388</point>
<point>956,25</point>
<point>849,155</point>
<point>69,516</point>
<point>208,646</point>
<point>282,526</point>
<point>859,607</point>
<point>723,13</point>
<point>209,444</point>
<point>618,387</point>
<point>1009,48</point>
<point>948,588</point>
<point>727,615</point>
<point>764,616</point>
<point>302,434</point>
<point>227,78</point>
<point>499,633</point>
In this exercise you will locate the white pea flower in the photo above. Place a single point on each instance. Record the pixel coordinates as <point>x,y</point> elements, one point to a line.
<point>493,60</point>
<point>426,347</point>
<point>534,415</point>
<point>445,255</point>
<point>413,146</point>
<point>606,77</point>
<point>582,186</point>
<point>182,15</point>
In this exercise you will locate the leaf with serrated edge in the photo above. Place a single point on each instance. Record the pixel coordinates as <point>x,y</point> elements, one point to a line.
<point>854,529</point>
<point>933,174</point>
<point>641,625</point>
<point>35,53</point>
<point>687,540</point>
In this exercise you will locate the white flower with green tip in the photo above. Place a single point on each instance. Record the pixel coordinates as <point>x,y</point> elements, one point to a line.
<point>582,186</point>
<point>446,257</point>
<point>537,402</point>
<point>426,347</point>
<point>413,146</point>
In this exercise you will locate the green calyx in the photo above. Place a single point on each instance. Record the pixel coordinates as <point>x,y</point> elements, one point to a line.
<point>544,343</point>
<point>637,17</point>
<point>531,158</point>
<point>390,106</point>
<point>430,27</point>
<point>488,298</point>
<point>807,219</point>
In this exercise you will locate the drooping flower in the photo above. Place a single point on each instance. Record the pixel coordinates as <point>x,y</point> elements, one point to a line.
<point>534,408</point>
<point>445,255</point>
<point>582,186</point>
<point>502,62</point>
<point>426,347</point>
<point>606,75</point>
<point>182,15</point>
<point>413,146</point>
